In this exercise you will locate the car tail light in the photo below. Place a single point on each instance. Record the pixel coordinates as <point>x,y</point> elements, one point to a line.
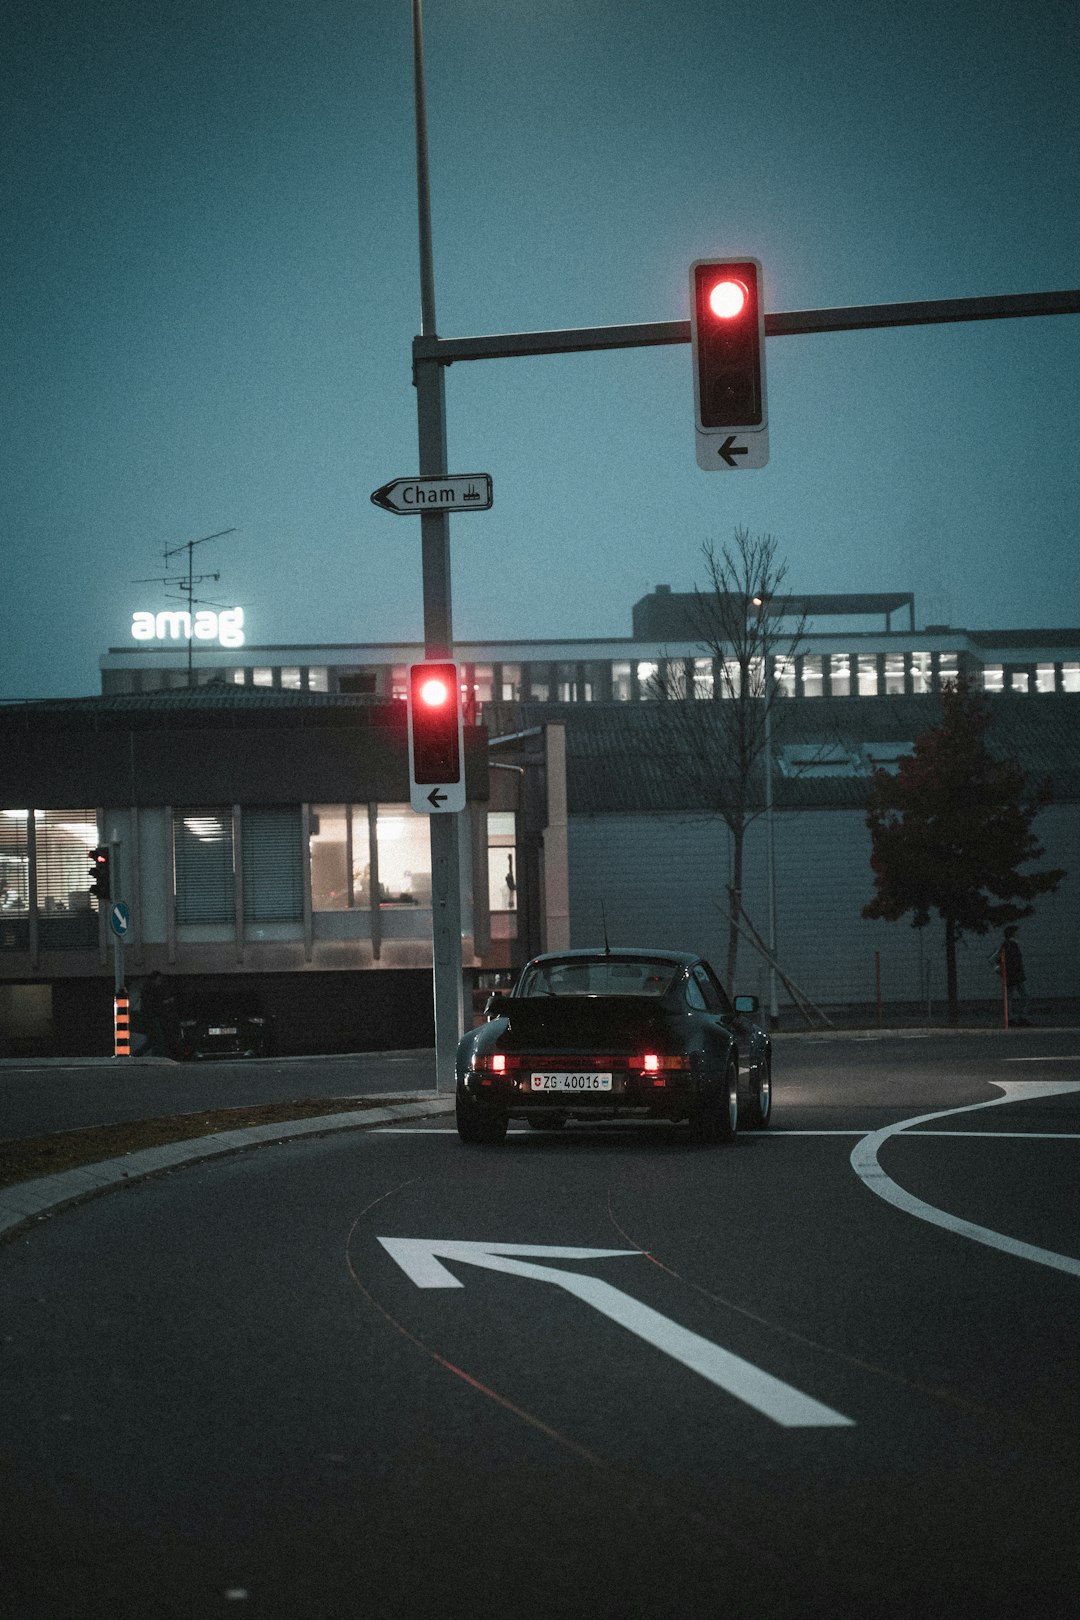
<point>657,1067</point>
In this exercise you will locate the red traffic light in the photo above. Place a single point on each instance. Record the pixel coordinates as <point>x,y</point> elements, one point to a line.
<point>99,872</point>
<point>727,329</point>
<point>435,726</point>
<point>434,691</point>
<point>727,298</point>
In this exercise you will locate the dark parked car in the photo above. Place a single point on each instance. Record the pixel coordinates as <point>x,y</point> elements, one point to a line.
<point>227,1023</point>
<point>616,1034</point>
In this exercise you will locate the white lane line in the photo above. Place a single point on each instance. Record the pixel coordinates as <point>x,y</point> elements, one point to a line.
<point>1039,1060</point>
<point>864,1161</point>
<point>988,1136</point>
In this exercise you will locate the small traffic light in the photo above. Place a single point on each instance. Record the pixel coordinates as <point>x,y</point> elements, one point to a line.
<point>727,330</point>
<point>436,738</point>
<point>99,872</point>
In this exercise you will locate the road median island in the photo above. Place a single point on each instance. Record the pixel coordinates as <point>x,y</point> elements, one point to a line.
<point>38,1174</point>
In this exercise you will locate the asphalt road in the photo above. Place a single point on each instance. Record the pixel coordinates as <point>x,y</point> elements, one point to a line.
<point>803,1386</point>
<point>62,1096</point>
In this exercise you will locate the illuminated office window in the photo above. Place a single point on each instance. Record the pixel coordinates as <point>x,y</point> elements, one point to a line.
<point>621,688</point>
<point>993,678</point>
<point>15,867</point>
<point>648,678</point>
<point>703,681</point>
<point>894,674</point>
<point>262,677</point>
<point>317,680</point>
<point>920,672</point>
<point>784,676</point>
<point>1044,678</point>
<point>948,667</point>
<point>867,675</point>
<point>566,686</point>
<point>730,678</point>
<point>1070,677</point>
<point>812,678</point>
<point>404,844</point>
<point>840,674</point>
<point>340,854</point>
<point>290,679</point>
<point>1019,680</point>
<point>510,683</point>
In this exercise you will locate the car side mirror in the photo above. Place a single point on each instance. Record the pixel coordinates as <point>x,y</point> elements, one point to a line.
<point>493,1006</point>
<point>748,1006</point>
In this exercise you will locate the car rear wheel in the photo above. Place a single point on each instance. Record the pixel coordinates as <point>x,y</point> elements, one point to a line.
<point>480,1125</point>
<point>716,1116</point>
<point>759,1109</point>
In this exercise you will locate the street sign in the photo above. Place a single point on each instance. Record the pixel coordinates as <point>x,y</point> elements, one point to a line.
<point>119,918</point>
<point>421,1259</point>
<point>721,453</point>
<point>455,492</point>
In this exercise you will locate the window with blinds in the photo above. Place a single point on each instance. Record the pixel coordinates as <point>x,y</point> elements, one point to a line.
<point>14,881</point>
<point>272,864</point>
<point>67,916</point>
<point>203,865</point>
<point>14,864</point>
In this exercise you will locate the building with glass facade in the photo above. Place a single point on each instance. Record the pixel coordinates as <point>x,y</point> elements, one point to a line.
<point>258,800</point>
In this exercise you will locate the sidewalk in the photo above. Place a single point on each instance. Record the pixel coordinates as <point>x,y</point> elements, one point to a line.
<point>26,1201</point>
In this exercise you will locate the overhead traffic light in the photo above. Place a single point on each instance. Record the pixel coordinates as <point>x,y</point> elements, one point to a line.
<point>727,332</point>
<point>99,872</point>
<point>436,738</point>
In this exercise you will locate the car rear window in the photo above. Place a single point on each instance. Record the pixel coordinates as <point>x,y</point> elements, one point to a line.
<point>600,977</point>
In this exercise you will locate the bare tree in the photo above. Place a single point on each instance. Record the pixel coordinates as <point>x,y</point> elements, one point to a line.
<point>722,708</point>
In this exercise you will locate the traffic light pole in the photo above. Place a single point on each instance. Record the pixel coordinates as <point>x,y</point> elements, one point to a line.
<point>431,356</point>
<point>430,380</point>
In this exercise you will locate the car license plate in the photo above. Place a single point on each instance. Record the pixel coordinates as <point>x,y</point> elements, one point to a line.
<point>571,1082</point>
<point>223,1030</point>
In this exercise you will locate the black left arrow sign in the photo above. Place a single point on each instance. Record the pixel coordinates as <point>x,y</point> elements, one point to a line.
<point>729,454</point>
<point>436,797</point>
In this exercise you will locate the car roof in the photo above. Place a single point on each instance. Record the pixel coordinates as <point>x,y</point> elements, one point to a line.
<point>619,953</point>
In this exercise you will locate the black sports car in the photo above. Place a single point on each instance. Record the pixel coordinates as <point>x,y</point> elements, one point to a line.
<point>224,1024</point>
<point>614,1034</point>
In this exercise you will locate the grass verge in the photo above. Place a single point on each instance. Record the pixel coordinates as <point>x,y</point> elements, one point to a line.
<point>32,1156</point>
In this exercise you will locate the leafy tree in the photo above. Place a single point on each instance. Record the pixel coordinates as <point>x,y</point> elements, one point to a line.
<point>951,829</point>
<point>714,749</point>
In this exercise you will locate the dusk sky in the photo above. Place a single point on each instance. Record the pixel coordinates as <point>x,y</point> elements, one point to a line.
<point>210,290</point>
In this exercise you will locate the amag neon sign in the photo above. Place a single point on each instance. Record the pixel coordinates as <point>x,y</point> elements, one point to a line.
<point>223,625</point>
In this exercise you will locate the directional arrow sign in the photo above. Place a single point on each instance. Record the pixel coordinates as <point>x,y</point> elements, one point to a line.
<point>119,918</point>
<point>456,492</point>
<point>718,452</point>
<point>421,1259</point>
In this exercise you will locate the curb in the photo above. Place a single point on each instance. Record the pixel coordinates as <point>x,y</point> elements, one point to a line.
<point>27,1201</point>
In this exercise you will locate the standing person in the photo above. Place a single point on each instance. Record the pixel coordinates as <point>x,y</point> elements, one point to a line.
<point>158,1016</point>
<point>511,886</point>
<point>1011,959</point>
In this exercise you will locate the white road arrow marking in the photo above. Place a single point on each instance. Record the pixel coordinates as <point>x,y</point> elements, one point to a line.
<point>421,1259</point>
<point>864,1161</point>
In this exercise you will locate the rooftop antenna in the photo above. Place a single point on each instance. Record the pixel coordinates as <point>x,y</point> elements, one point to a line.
<point>187,583</point>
